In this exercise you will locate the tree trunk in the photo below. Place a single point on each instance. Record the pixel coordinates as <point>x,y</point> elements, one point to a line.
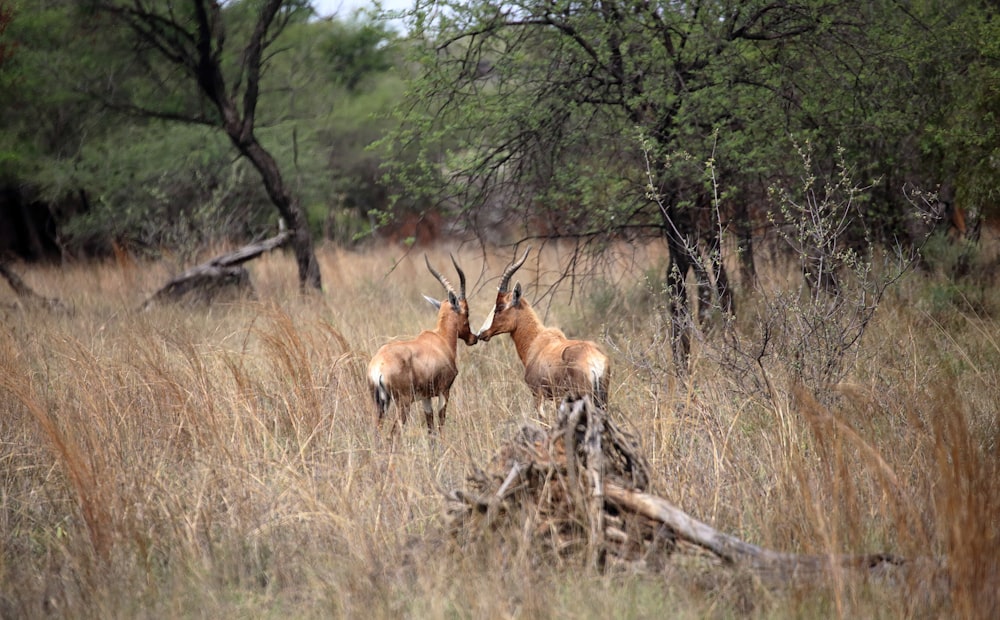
<point>684,230</point>
<point>677,230</point>
<point>35,248</point>
<point>713,282</point>
<point>744,246</point>
<point>582,486</point>
<point>288,206</point>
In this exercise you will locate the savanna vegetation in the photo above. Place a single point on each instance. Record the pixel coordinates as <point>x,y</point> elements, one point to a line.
<point>777,218</point>
<point>224,461</point>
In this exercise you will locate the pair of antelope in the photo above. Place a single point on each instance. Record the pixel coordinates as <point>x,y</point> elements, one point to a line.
<point>424,367</point>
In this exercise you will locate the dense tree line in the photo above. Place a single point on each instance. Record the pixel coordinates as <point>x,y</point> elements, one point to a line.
<point>581,120</point>
<point>171,125</point>
<point>690,121</point>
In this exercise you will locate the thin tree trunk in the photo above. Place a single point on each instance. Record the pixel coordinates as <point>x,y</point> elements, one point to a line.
<point>744,246</point>
<point>680,263</point>
<point>288,206</point>
<point>713,282</point>
<point>25,293</point>
<point>35,247</point>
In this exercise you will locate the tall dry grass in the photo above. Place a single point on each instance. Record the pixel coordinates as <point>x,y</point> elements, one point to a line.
<point>223,461</point>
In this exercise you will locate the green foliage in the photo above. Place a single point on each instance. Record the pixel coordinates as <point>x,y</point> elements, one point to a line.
<point>957,72</point>
<point>163,186</point>
<point>534,113</point>
<point>43,116</point>
<point>155,184</point>
<point>960,279</point>
<point>543,115</point>
<point>949,257</point>
<point>356,51</point>
<point>498,121</point>
<point>319,128</point>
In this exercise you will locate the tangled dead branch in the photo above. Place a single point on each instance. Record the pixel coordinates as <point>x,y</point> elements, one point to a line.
<point>223,275</point>
<point>581,489</point>
<point>26,296</point>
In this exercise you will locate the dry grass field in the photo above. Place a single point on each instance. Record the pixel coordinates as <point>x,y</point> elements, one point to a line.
<point>223,462</point>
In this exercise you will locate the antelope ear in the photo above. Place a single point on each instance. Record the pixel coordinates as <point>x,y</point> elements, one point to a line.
<point>453,301</point>
<point>433,302</point>
<point>516,299</point>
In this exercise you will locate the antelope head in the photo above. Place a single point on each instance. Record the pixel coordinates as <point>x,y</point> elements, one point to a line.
<point>457,304</point>
<point>503,317</point>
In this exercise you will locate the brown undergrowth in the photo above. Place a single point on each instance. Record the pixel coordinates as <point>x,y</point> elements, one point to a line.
<point>222,461</point>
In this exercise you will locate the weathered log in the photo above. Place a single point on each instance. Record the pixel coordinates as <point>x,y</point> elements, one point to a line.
<point>731,549</point>
<point>252,250</point>
<point>223,276</point>
<point>27,295</point>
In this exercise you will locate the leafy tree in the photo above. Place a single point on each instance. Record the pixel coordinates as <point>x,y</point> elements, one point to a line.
<point>159,185</point>
<point>24,78</point>
<point>956,71</point>
<point>101,177</point>
<point>598,118</point>
<point>94,157</point>
<point>356,51</point>
<point>43,118</point>
<point>332,89</point>
<point>192,37</point>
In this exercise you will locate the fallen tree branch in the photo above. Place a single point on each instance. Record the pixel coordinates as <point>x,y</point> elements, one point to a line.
<point>252,250</point>
<point>206,282</point>
<point>25,293</point>
<point>731,549</point>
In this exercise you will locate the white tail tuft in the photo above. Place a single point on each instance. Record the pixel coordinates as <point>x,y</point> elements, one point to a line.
<point>597,370</point>
<point>377,381</point>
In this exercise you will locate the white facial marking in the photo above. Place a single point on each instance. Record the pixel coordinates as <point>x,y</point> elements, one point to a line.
<point>489,322</point>
<point>433,302</point>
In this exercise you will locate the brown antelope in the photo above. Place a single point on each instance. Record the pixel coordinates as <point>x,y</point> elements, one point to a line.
<point>554,366</point>
<point>424,367</point>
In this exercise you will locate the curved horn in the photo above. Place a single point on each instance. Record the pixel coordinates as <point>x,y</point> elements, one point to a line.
<point>461,276</point>
<point>509,271</point>
<point>440,278</point>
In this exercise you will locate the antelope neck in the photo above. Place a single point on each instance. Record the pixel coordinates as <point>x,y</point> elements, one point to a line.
<point>525,331</point>
<point>447,327</point>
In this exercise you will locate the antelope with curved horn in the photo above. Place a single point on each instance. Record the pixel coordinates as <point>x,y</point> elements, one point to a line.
<point>424,367</point>
<point>554,366</point>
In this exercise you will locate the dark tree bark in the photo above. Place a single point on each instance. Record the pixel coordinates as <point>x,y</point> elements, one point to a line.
<point>26,294</point>
<point>6,17</point>
<point>743,227</point>
<point>678,244</point>
<point>692,249</point>
<point>197,48</point>
<point>34,239</point>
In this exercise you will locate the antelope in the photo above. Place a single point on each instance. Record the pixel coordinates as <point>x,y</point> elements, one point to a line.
<point>554,366</point>
<point>424,367</point>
